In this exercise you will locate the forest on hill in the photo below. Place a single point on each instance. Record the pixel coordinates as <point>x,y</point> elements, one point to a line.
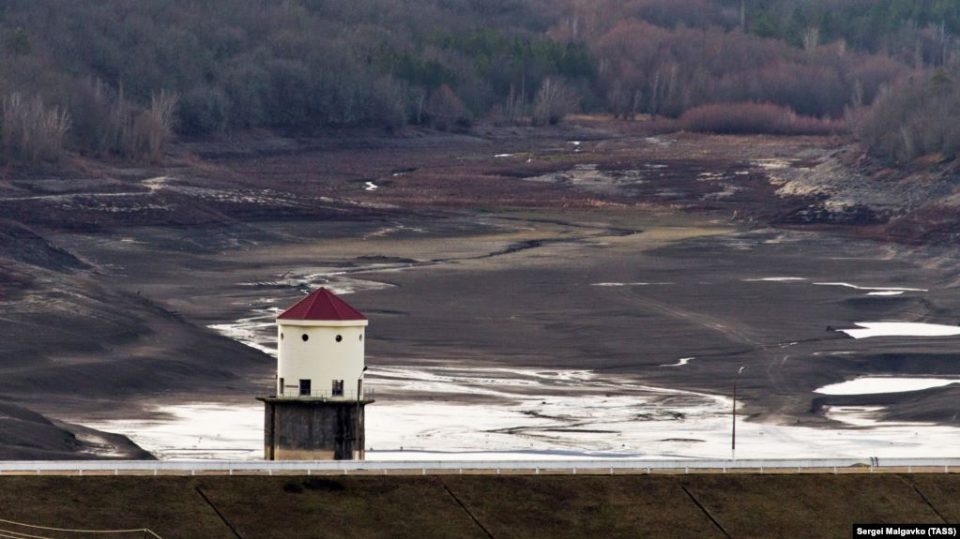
<point>119,78</point>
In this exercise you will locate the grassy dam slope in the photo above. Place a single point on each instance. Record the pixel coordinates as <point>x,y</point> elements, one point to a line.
<point>659,505</point>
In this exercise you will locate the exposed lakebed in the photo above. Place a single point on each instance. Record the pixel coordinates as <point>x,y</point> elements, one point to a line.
<point>574,341</point>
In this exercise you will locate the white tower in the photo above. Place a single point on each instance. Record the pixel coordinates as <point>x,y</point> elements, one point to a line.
<point>317,411</point>
<point>320,348</point>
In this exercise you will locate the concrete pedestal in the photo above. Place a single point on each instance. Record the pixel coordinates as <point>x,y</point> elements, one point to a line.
<point>313,429</point>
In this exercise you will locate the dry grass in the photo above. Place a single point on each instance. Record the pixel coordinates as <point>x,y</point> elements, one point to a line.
<point>814,505</point>
<point>32,131</point>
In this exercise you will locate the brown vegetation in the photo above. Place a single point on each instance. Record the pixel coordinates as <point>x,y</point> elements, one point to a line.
<point>646,68</point>
<point>746,118</point>
<point>921,116</point>
<point>32,131</point>
<point>445,111</point>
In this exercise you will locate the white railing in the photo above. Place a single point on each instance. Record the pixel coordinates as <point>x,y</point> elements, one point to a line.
<point>594,466</point>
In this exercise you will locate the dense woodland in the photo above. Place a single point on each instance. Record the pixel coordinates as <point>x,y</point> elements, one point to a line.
<point>119,78</point>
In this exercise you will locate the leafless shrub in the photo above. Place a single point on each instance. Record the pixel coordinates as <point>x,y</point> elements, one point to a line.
<point>126,130</point>
<point>153,127</point>
<point>766,118</point>
<point>666,71</point>
<point>32,131</point>
<point>446,111</point>
<point>915,118</point>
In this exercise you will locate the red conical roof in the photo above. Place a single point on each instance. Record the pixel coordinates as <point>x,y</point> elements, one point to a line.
<point>321,304</point>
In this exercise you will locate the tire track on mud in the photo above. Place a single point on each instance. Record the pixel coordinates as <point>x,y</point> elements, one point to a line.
<point>774,361</point>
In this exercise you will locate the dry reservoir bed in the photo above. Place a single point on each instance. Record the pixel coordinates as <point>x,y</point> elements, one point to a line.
<point>540,335</point>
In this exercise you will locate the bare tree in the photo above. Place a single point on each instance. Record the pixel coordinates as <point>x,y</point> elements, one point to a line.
<point>154,126</point>
<point>446,111</point>
<point>811,38</point>
<point>554,101</point>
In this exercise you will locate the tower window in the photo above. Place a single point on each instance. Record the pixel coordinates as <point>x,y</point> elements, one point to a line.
<point>339,338</point>
<point>361,336</point>
<point>305,337</point>
<point>304,387</point>
<point>281,335</point>
<point>337,388</point>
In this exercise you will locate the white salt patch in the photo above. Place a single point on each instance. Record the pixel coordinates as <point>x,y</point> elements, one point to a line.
<point>370,186</point>
<point>196,431</point>
<point>680,362</point>
<point>515,414</point>
<point>771,164</point>
<point>728,191</point>
<point>858,416</point>
<point>870,385</point>
<point>901,329</point>
<point>252,331</point>
<point>628,284</point>
<point>99,445</point>
<point>504,155</point>
<point>155,184</point>
<point>886,293</point>
<point>875,288</point>
<point>658,141</point>
<point>776,279</point>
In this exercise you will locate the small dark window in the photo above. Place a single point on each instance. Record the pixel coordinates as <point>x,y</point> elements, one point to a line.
<point>305,387</point>
<point>281,336</point>
<point>281,386</point>
<point>305,337</point>
<point>337,388</point>
<point>339,338</point>
<point>361,336</point>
